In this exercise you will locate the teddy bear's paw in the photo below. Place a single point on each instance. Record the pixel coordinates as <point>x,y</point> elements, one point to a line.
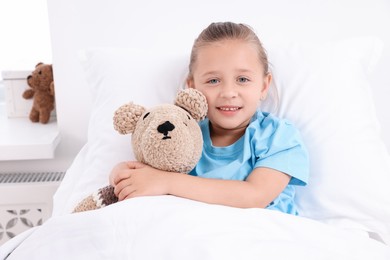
<point>105,196</point>
<point>34,115</point>
<point>99,199</point>
<point>86,204</point>
<point>28,94</point>
<point>44,117</point>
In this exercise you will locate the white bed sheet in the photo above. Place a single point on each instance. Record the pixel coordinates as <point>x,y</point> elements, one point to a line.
<point>167,227</point>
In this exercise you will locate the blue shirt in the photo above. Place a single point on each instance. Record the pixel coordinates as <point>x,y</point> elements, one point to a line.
<point>268,142</point>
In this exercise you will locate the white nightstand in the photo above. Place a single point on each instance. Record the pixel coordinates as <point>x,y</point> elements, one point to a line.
<point>15,84</point>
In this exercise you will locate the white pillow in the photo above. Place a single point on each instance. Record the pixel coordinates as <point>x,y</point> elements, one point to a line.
<point>323,89</point>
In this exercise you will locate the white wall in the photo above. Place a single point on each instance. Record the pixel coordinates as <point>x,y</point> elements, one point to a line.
<point>25,36</point>
<point>174,24</point>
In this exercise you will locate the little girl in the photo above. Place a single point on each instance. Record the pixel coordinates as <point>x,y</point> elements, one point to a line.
<point>250,158</point>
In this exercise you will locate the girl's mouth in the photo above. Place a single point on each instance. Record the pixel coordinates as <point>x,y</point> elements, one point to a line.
<point>229,108</point>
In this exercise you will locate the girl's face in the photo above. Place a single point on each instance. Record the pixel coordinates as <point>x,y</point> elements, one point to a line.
<point>232,78</point>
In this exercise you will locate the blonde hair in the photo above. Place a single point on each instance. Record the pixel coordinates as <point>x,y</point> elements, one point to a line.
<point>216,32</point>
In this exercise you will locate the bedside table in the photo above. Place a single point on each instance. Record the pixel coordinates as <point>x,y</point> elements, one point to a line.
<point>21,139</point>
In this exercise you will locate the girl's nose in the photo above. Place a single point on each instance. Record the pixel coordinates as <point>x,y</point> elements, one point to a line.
<point>228,90</point>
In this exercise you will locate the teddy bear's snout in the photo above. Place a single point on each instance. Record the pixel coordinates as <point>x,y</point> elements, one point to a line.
<point>165,128</point>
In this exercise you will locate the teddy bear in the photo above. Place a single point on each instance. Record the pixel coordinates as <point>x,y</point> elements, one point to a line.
<point>166,137</point>
<point>42,90</point>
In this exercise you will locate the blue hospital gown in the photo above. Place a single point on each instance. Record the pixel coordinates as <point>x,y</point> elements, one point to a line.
<point>268,142</point>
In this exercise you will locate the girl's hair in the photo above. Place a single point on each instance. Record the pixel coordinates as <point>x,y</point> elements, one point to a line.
<point>216,32</point>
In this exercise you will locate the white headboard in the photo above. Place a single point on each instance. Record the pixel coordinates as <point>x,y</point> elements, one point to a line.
<point>174,24</point>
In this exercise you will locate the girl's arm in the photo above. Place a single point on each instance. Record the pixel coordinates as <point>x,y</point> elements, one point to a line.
<point>263,185</point>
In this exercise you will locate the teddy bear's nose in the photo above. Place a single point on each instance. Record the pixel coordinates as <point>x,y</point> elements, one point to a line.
<point>165,127</point>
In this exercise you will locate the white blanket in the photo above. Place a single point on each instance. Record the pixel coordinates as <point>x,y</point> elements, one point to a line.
<point>168,227</point>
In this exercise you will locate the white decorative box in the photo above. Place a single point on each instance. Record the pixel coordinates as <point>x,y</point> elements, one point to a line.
<point>15,83</point>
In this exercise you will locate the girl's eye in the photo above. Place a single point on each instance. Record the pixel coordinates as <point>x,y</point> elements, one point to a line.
<point>213,81</point>
<point>242,79</point>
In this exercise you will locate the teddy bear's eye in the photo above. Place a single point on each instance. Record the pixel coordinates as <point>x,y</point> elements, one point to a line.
<point>189,118</point>
<point>146,115</point>
<point>40,72</point>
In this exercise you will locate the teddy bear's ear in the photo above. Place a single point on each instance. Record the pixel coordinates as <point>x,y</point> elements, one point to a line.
<point>39,63</point>
<point>126,117</point>
<point>193,101</point>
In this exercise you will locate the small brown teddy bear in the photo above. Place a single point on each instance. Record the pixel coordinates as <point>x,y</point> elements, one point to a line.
<point>166,137</point>
<point>42,90</point>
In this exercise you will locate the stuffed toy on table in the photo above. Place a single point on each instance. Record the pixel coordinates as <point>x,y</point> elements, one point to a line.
<point>165,137</point>
<point>41,91</point>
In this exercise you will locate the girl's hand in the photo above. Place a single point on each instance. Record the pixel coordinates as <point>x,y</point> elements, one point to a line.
<point>134,179</point>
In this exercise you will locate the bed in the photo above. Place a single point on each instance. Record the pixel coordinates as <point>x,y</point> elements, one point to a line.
<point>330,82</point>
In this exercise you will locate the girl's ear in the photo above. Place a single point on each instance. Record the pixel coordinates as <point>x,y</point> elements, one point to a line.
<point>190,82</point>
<point>266,84</point>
